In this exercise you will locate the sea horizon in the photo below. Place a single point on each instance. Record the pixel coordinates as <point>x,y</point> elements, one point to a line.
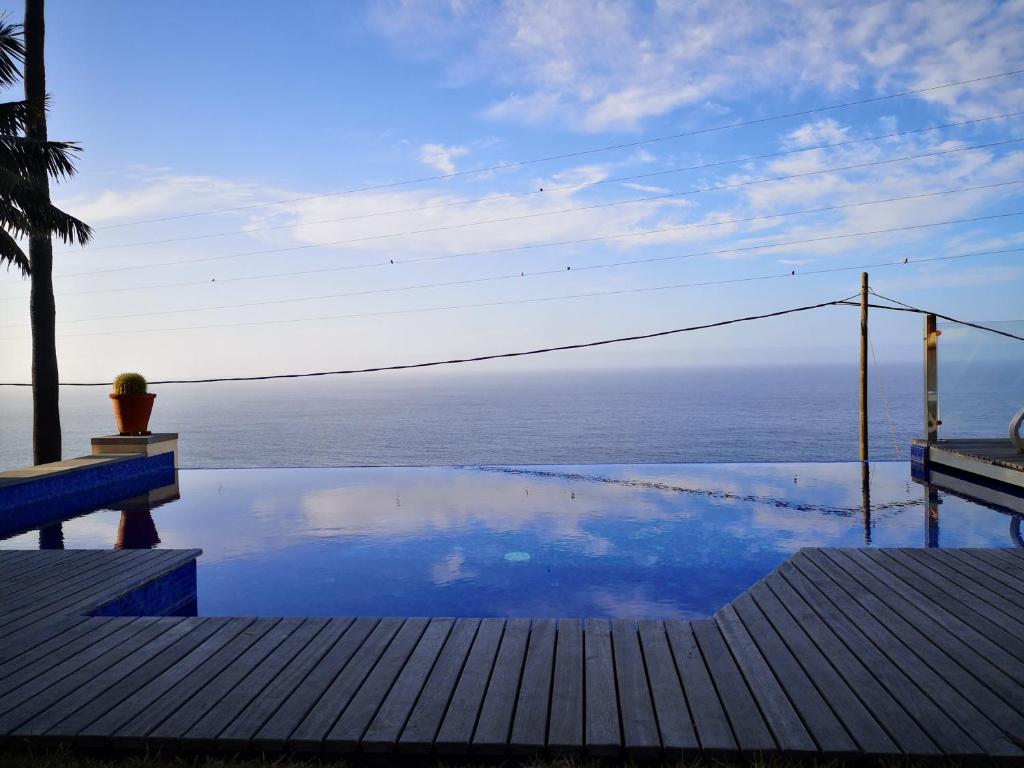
<point>699,414</point>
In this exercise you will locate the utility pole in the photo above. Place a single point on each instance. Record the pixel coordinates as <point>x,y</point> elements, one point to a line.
<point>931,379</point>
<point>865,468</point>
<point>864,366</point>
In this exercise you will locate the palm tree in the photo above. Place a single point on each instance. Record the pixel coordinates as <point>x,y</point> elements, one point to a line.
<point>28,160</point>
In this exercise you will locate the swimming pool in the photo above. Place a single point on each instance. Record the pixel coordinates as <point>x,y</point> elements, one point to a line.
<point>623,541</point>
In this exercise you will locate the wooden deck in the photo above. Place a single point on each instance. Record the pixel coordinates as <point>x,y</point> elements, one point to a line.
<point>992,459</point>
<point>839,652</point>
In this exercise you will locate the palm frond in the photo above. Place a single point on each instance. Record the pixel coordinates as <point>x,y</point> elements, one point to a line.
<point>29,157</point>
<point>45,219</point>
<point>11,253</point>
<point>25,195</point>
<point>65,226</point>
<point>15,115</point>
<point>14,220</point>
<point>12,52</point>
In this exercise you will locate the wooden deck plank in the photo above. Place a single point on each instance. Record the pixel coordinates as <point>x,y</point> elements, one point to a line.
<point>20,568</point>
<point>78,702</point>
<point>778,711</point>
<point>838,652</point>
<point>856,718</point>
<point>142,713</point>
<point>109,590</point>
<point>28,701</point>
<point>36,664</point>
<point>675,726</point>
<point>167,721</point>
<point>429,710</point>
<point>310,733</point>
<point>388,723</point>
<point>34,578</point>
<point>965,675</point>
<point>495,722</point>
<point>884,689</point>
<point>41,600</point>
<point>99,591</point>
<point>47,671</point>
<point>1011,565</point>
<point>1013,588</point>
<point>640,735</point>
<point>941,710</point>
<point>565,726</point>
<point>14,560</point>
<point>999,450</point>
<point>949,597</point>
<point>752,733</point>
<point>602,731</point>
<point>533,705</point>
<point>273,735</point>
<point>1013,556</point>
<point>818,721</point>
<point>460,719</point>
<point>979,588</point>
<point>979,574</point>
<point>40,641</point>
<point>69,575</point>
<point>347,732</point>
<point>243,682</point>
<point>710,721</point>
<point>945,630</point>
<point>162,674</point>
<point>238,734</point>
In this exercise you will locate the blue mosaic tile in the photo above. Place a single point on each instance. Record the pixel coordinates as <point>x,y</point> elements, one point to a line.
<point>918,461</point>
<point>57,497</point>
<point>171,595</point>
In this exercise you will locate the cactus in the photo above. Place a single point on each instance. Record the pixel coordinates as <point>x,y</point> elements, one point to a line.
<point>129,384</point>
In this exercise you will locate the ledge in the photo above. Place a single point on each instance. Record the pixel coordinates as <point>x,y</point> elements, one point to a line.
<point>37,496</point>
<point>146,445</point>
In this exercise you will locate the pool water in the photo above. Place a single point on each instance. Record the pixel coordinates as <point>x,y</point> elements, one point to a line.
<point>628,541</point>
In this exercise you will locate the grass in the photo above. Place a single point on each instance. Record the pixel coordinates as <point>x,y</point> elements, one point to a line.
<point>64,758</point>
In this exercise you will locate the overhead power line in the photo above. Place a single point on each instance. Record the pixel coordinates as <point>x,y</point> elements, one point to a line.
<point>979,326</point>
<point>540,351</point>
<point>581,153</point>
<point>479,358</point>
<point>532,246</point>
<point>534,300</point>
<point>497,278</point>
<point>368,238</point>
<point>906,261</point>
<point>918,311</point>
<point>547,190</point>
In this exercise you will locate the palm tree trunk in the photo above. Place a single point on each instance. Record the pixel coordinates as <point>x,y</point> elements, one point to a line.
<point>42,310</point>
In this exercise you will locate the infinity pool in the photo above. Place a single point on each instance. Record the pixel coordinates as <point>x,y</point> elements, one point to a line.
<point>626,541</point>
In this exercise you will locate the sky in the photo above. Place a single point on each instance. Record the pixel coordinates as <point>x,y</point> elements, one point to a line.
<point>222,143</point>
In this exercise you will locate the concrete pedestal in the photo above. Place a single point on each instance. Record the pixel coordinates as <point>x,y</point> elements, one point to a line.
<point>142,445</point>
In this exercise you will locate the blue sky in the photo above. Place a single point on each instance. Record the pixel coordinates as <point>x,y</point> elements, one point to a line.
<point>185,108</point>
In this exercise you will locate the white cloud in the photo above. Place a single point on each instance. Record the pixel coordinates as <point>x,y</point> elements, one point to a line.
<point>441,156</point>
<point>160,192</point>
<point>827,131</point>
<point>649,188</point>
<point>620,63</point>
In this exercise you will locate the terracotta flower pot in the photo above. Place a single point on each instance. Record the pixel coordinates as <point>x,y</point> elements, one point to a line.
<point>132,413</point>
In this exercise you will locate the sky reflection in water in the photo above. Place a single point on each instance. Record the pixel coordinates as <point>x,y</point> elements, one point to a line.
<point>612,541</point>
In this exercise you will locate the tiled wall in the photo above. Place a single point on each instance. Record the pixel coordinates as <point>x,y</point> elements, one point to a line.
<point>50,498</point>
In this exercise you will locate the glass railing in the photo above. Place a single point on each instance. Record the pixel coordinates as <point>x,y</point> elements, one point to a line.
<point>980,379</point>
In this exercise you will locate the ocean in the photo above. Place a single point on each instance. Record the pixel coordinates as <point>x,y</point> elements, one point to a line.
<point>802,413</point>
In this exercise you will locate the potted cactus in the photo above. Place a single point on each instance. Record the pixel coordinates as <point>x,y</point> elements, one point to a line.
<point>132,404</point>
